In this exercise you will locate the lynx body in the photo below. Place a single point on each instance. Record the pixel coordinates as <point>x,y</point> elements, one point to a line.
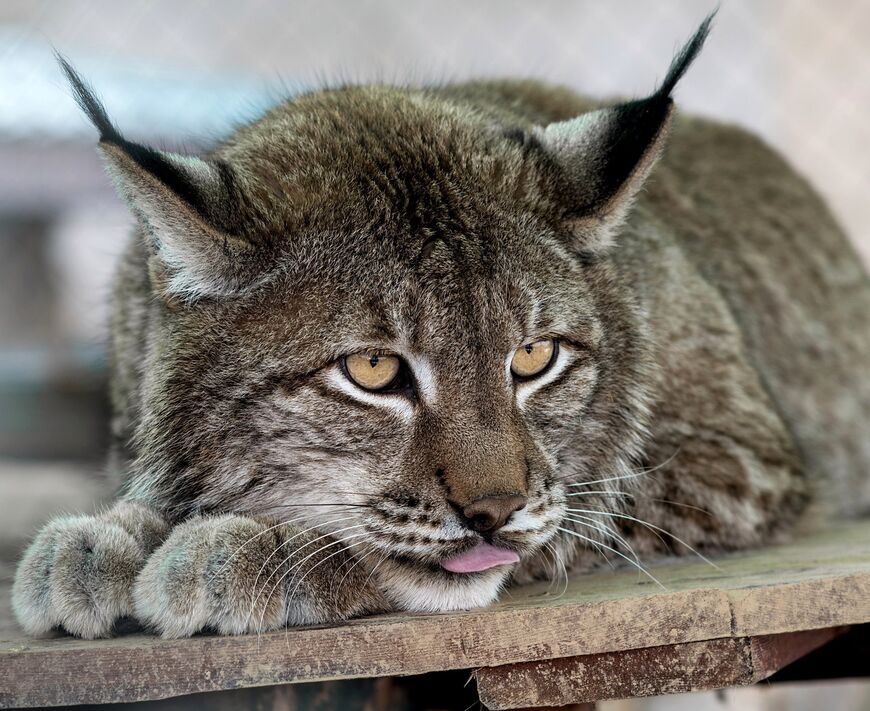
<point>706,321</point>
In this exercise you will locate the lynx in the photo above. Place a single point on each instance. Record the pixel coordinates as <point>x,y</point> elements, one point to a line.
<point>393,348</point>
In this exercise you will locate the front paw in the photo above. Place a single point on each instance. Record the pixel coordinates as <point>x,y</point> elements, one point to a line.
<point>77,575</point>
<point>222,572</point>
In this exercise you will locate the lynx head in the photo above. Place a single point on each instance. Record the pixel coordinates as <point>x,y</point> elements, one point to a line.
<point>390,313</point>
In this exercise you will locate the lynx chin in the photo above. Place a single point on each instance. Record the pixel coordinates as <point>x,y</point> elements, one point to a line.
<point>396,348</point>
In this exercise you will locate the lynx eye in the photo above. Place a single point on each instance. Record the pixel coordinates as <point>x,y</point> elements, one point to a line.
<point>372,371</point>
<point>534,358</point>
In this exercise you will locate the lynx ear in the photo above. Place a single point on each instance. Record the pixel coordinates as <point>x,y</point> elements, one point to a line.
<point>189,207</point>
<point>606,155</point>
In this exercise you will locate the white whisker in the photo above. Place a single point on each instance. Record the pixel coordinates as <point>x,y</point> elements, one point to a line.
<point>377,565</point>
<point>624,494</point>
<point>249,541</point>
<point>294,567</point>
<point>652,527</point>
<point>599,526</point>
<point>619,553</point>
<point>557,564</point>
<point>255,596</point>
<point>331,555</point>
<point>284,543</point>
<point>357,561</point>
<point>635,475</point>
<point>685,506</point>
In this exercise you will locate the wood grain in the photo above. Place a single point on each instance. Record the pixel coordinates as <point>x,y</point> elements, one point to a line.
<point>822,580</point>
<point>668,669</point>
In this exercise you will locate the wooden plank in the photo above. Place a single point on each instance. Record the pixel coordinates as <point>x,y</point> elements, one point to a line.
<point>668,669</point>
<point>820,581</point>
<point>770,653</point>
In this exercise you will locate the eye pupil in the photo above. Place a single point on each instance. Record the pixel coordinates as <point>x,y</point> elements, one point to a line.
<point>529,348</point>
<point>373,361</point>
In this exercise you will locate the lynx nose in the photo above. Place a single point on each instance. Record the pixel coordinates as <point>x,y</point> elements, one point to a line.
<point>490,513</point>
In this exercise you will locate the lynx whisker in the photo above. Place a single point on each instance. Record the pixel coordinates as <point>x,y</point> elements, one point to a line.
<point>377,565</point>
<point>633,475</point>
<point>270,528</point>
<point>600,550</point>
<point>357,560</point>
<point>557,564</point>
<point>301,580</point>
<point>553,568</point>
<point>636,564</point>
<point>652,527</point>
<point>293,567</point>
<point>254,598</point>
<point>341,492</point>
<point>663,464</point>
<point>294,506</point>
<point>297,567</point>
<point>685,506</point>
<point>307,572</point>
<point>248,542</point>
<point>602,492</point>
<point>602,528</point>
<point>293,537</point>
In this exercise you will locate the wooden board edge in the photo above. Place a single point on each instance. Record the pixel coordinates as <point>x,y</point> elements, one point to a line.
<point>650,671</point>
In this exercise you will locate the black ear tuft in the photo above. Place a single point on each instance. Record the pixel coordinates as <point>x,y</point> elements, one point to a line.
<point>89,103</point>
<point>686,56</point>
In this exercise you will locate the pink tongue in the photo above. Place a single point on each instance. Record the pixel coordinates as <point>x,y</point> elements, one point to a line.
<point>481,557</point>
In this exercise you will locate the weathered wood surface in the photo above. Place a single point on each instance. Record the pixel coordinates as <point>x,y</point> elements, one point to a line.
<point>669,669</point>
<point>820,581</point>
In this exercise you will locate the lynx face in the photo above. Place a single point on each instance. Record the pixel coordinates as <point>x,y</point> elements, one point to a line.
<point>454,424</point>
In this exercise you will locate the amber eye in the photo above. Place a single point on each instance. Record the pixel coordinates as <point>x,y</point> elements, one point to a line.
<point>372,371</point>
<point>534,358</point>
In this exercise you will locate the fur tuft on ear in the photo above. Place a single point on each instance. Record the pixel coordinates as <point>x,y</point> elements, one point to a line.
<point>189,206</point>
<point>83,93</point>
<point>605,156</point>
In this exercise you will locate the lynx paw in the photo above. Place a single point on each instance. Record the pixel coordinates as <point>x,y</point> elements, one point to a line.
<point>77,575</point>
<point>223,572</point>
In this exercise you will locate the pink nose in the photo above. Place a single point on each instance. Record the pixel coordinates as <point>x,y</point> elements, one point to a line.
<point>490,513</point>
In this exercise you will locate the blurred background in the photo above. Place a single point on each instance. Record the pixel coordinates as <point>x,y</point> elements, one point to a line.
<point>181,75</point>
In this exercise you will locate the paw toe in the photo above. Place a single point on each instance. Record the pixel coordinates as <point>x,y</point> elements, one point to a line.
<point>31,591</point>
<point>77,574</point>
<point>204,575</point>
<point>92,578</point>
<point>167,594</point>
